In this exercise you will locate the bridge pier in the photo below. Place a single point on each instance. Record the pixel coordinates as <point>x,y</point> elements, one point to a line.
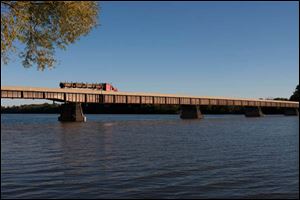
<point>253,112</point>
<point>71,112</point>
<point>291,112</point>
<point>190,112</point>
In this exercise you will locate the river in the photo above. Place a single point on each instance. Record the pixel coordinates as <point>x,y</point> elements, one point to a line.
<point>149,156</point>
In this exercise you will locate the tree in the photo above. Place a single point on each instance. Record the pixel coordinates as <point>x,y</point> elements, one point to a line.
<point>38,27</point>
<point>281,99</point>
<point>295,96</point>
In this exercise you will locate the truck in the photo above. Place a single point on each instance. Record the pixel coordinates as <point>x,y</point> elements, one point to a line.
<point>93,86</point>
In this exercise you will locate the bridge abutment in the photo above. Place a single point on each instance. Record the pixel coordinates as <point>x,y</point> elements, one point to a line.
<point>190,112</point>
<point>291,112</point>
<point>71,112</point>
<point>253,112</point>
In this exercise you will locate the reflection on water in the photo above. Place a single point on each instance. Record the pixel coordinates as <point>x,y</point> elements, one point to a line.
<point>149,156</point>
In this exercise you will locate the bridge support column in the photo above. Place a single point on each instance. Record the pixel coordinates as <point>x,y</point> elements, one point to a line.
<point>190,112</point>
<point>291,112</point>
<point>71,112</point>
<point>253,112</point>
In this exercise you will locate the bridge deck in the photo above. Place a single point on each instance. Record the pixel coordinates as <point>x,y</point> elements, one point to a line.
<point>94,96</point>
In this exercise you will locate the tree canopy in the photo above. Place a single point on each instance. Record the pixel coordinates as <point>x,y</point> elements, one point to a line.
<point>281,99</point>
<point>39,27</point>
<point>295,96</point>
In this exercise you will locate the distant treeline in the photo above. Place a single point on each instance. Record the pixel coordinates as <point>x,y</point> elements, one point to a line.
<point>130,109</point>
<point>32,108</point>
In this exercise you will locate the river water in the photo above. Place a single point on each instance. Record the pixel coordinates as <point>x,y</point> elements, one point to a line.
<point>149,156</point>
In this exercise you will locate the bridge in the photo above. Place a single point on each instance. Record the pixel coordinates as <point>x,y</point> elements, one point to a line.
<point>71,109</point>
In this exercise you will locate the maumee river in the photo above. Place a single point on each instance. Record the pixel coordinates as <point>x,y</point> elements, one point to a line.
<point>149,156</point>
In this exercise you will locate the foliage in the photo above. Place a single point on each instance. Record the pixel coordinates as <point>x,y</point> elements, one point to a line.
<point>41,26</point>
<point>32,108</point>
<point>131,109</point>
<point>281,99</point>
<point>295,96</point>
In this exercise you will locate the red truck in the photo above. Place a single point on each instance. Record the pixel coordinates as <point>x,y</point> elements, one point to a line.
<point>94,86</point>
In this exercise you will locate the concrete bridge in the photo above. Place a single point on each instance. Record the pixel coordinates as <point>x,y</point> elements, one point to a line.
<point>71,110</point>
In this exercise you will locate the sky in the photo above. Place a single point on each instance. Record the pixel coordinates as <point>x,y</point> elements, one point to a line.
<point>231,49</point>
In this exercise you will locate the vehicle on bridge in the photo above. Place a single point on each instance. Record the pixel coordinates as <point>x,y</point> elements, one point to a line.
<point>94,86</point>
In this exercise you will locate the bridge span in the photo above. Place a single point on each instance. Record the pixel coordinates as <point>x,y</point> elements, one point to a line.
<point>71,110</point>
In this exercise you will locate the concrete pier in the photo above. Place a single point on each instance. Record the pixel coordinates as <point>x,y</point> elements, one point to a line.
<point>190,112</point>
<point>291,112</point>
<point>71,112</point>
<point>253,112</point>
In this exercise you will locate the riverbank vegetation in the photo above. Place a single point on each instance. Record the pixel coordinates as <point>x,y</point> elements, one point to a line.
<point>129,109</point>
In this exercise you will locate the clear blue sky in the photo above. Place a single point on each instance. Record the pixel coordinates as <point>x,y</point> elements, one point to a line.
<point>234,49</point>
